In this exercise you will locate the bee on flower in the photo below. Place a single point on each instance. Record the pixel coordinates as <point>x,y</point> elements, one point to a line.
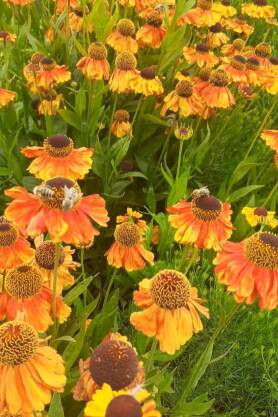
<point>260,215</point>
<point>128,250</point>
<point>95,65</point>
<point>238,24</point>
<point>121,125</point>
<point>113,362</point>
<point>6,97</point>
<point>171,310</point>
<point>51,102</point>
<point>216,36</point>
<point>258,9</point>
<point>7,37</point>
<point>224,8</point>
<point>147,83</point>
<point>200,55</point>
<point>51,74</point>
<point>124,73</point>
<point>215,92</point>
<point>152,33</point>
<point>122,39</point>
<point>201,16</point>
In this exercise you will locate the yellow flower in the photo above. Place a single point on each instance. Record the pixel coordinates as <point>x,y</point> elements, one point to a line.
<point>183,133</point>
<point>259,215</point>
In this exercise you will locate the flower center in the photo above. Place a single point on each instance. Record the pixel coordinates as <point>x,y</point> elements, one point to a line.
<point>170,289</point>
<point>124,406</point>
<point>206,207</point>
<point>226,2</point>
<point>260,2</point>
<point>154,19</point>
<point>8,234</point>
<point>204,4</point>
<point>239,44</point>
<point>47,64</point>
<point>121,116</point>
<point>262,250</point>
<point>126,27</point>
<point>23,281</point>
<point>78,12</point>
<point>184,89</point>
<point>127,234</point>
<point>126,61</point>
<point>97,51</point>
<point>202,47</point>
<point>204,74</point>
<point>4,35</point>
<point>263,50</point>
<point>216,28</point>
<point>218,78</point>
<point>45,255</point>
<point>18,343</point>
<point>36,58</point>
<point>274,60</point>
<point>58,146</point>
<point>148,73</point>
<point>252,64</point>
<point>238,62</point>
<point>260,211</point>
<point>53,192</point>
<point>115,363</point>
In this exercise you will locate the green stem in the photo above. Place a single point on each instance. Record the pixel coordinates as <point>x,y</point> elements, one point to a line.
<point>137,110</point>
<point>165,147</point>
<point>179,160</point>
<point>107,293</point>
<point>150,361</point>
<point>271,194</point>
<point>58,248</point>
<point>111,121</point>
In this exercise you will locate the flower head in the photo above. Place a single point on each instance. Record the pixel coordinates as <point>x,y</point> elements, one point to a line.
<point>124,72</point>
<point>234,48</point>
<point>239,25</point>
<point>215,92</point>
<point>152,33</point>
<point>77,20</point>
<point>260,215</point>
<point>121,125</point>
<point>171,309</point>
<point>50,103</point>
<point>95,65</point>
<point>7,37</point>
<point>200,55</point>
<point>148,83</point>
<point>224,8</point>
<point>271,139</point>
<point>201,16</point>
<point>51,74</point>
<point>6,97</point>
<point>216,36</point>
<point>122,39</point>
<point>258,9</point>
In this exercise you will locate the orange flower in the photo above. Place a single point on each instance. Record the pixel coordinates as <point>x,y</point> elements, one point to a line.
<point>215,92</point>
<point>258,9</point>
<point>6,96</point>
<point>250,269</point>
<point>25,294</point>
<point>7,37</point>
<point>29,370</point>
<point>50,73</point>
<point>171,310</point>
<point>58,208</point>
<point>271,138</point>
<point>77,20</point>
<point>128,251</point>
<point>216,36</point>
<point>30,70</point>
<point>262,54</point>
<point>236,69</point>
<point>19,2</point>
<point>183,100</point>
<point>151,34</point>
<point>122,39</point>
<point>113,362</point>
<point>44,260</point>
<point>235,48</point>
<point>62,5</point>
<point>124,73</point>
<point>238,24</point>
<point>254,73</point>
<point>14,248</point>
<point>121,126</point>
<point>201,16</point>
<point>200,55</point>
<point>205,221</point>
<point>224,8</point>
<point>146,6</point>
<point>51,102</point>
<point>95,66</point>
<point>58,157</point>
<point>147,83</point>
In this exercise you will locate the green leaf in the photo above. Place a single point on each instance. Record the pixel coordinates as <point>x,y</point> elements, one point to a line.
<point>242,192</point>
<point>71,118</point>
<point>198,407</point>
<point>77,290</point>
<point>73,350</point>
<point>56,407</point>
<point>179,187</point>
<point>202,149</point>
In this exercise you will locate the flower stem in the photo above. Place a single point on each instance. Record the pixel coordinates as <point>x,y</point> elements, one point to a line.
<point>179,160</point>
<point>150,361</point>
<point>58,248</point>
<point>111,121</point>
<point>165,146</point>
<point>107,293</point>
<point>140,101</point>
<point>272,192</point>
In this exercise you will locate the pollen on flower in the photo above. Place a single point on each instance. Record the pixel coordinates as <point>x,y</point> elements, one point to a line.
<point>206,207</point>
<point>154,19</point>
<point>97,51</point>
<point>127,234</point>
<point>124,406</point>
<point>121,116</point>
<point>58,146</point>
<point>57,188</point>
<point>18,343</point>
<point>219,78</point>
<point>45,255</point>
<point>262,250</point>
<point>126,61</point>
<point>114,362</point>
<point>126,27</point>
<point>8,234</point>
<point>23,281</point>
<point>170,289</point>
<point>148,73</point>
<point>184,89</point>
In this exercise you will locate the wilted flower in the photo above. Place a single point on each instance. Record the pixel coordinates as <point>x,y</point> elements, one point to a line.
<point>51,74</point>
<point>77,20</point>
<point>216,36</point>
<point>50,103</point>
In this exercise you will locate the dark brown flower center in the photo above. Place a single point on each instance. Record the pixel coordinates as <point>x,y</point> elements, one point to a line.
<point>78,12</point>
<point>114,362</point>
<point>126,27</point>
<point>260,2</point>
<point>36,58</point>
<point>126,61</point>
<point>239,44</point>
<point>4,35</point>
<point>204,74</point>
<point>45,255</point>
<point>8,234</point>
<point>47,64</point>
<point>260,211</point>
<point>58,146</point>
<point>206,207</point>
<point>262,250</point>
<point>216,28</point>
<point>148,73</point>
<point>18,343</point>
<point>274,60</point>
<point>252,64</point>
<point>23,282</point>
<point>97,51</point>
<point>226,2</point>
<point>154,19</point>
<point>124,406</point>
<point>202,47</point>
<point>170,289</point>
<point>121,116</point>
<point>204,4</point>
<point>49,95</point>
<point>219,78</point>
<point>238,62</point>
<point>184,89</point>
<point>127,234</point>
<point>263,50</point>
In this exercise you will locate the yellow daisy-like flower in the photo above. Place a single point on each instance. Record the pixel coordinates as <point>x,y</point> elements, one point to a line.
<point>271,138</point>
<point>6,96</point>
<point>216,36</point>
<point>124,72</point>
<point>121,125</point>
<point>224,8</point>
<point>200,55</point>
<point>109,403</point>
<point>258,9</point>
<point>122,39</point>
<point>51,103</point>
<point>259,215</point>
<point>148,83</point>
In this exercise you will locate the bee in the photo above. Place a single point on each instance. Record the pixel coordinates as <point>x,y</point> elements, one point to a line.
<point>200,192</point>
<point>43,191</point>
<point>71,195</point>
